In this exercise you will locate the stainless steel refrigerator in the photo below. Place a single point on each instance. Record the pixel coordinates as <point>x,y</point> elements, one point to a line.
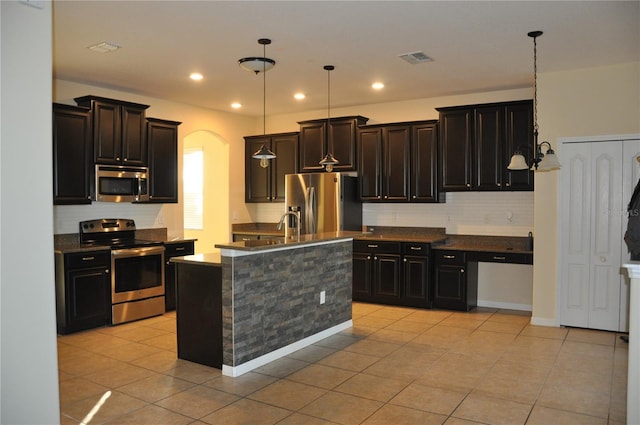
<point>328,202</point>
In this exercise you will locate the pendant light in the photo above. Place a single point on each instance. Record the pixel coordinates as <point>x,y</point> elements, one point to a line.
<point>257,65</point>
<point>548,160</point>
<point>328,162</point>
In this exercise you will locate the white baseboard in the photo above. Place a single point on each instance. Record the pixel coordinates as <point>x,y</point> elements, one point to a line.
<point>540,321</point>
<point>506,306</point>
<point>281,352</point>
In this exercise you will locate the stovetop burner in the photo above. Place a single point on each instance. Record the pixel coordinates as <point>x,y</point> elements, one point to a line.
<point>115,233</point>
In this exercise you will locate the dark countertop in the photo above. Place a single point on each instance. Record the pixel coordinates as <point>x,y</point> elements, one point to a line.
<point>291,242</point>
<point>70,242</point>
<point>501,244</point>
<point>257,229</point>
<point>207,259</point>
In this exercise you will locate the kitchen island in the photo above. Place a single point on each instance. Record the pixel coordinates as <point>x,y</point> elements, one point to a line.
<point>277,295</point>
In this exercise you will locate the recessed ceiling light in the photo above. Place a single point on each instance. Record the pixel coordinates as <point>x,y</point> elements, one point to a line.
<point>196,76</point>
<point>236,105</point>
<point>104,47</point>
<point>299,96</point>
<point>377,86</point>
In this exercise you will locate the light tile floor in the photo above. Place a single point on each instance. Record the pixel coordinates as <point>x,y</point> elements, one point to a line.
<point>395,366</point>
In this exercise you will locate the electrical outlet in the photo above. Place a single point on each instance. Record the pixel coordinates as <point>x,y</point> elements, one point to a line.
<point>322,297</point>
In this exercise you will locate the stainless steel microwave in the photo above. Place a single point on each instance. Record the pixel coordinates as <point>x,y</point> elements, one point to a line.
<point>115,183</point>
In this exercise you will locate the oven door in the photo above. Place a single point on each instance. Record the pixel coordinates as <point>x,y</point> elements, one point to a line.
<point>137,273</point>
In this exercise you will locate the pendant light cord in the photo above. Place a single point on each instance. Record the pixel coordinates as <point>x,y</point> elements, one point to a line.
<point>264,90</point>
<point>535,85</point>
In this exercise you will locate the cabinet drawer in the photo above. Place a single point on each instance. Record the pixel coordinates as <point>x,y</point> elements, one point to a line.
<point>88,259</point>
<point>416,249</point>
<point>376,246</point>
<point>178,249</point>
<point>450,257</point>
<point>501,257</point>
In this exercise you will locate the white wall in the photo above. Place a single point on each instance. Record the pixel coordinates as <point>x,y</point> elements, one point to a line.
<point>29,372</point>
<point>585,102</point>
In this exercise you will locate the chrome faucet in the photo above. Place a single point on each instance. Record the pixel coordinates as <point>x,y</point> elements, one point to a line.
<point>295,214</point>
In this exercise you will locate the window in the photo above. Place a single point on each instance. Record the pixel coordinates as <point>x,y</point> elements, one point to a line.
<point>192,177</point>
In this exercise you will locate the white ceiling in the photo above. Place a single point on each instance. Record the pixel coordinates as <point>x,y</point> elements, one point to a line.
<point>476,46</point>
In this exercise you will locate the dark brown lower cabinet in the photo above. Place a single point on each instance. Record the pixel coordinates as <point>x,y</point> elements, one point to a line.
<point>173,249</point>
<point>452,288</point>
<point>199,313</point>
<point>383,274</point>
<point>83,297</point>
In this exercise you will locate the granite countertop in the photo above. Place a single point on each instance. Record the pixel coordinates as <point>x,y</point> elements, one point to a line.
<point>290,242</point>
<point>440,240</point>
<point>257,229</point>
<point>207,259</point>
<point>70,242</point>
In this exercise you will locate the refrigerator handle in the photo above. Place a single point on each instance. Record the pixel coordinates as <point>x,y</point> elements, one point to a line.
<point>311,210</point>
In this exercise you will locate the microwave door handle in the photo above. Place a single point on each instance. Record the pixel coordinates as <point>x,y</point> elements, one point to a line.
<point>138,189</point>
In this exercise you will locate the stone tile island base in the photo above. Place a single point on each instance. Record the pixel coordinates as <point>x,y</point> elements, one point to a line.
<point>271,300</point>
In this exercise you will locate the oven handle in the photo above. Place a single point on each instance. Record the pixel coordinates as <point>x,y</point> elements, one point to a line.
<point>137,252</point>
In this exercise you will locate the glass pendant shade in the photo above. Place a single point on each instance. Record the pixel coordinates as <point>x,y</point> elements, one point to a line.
<point>264,155</point>
<point>328,162</point>
<point>518,162</point>
<point>549,162</point>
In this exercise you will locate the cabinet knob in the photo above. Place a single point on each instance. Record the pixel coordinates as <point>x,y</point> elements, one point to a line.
<point>499,184</point>
<point>378,196</point>
<point>386,197</point>
<point>461,270</point>
<point>117,158</point>
<point>107,271</point>
<point>405,260</point>
<point>375,258</point>
<point>126,159</point>
<point>167,263</point>
<point>413,197</point>
<point>368,257</point>
<point>468,184</point>
<point>508,184</point>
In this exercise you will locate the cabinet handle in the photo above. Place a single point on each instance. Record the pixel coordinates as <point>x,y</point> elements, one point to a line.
<point>372,246</point>
<point>416,248</point>
<point>88,258</point>
<point>368,257</point>
<point>181,248</point>
<point>378,196</point>
<point>107,271</point>
<point>375,258</point>
<point>495,257</point>
<point>499,184</point>
<point>508,184</point>
<point>386,197</point>
<point>405,260</point>
<point>468,184</point>
<point>117,158</point>
<point>461,270</point>
<point>413,197</point>
<point>450,257</point>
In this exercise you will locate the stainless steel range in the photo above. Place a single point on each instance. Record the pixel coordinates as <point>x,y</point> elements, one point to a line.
<point>137,268</point>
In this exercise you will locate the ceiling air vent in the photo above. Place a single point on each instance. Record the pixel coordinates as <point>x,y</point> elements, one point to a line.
<point>415,57</point>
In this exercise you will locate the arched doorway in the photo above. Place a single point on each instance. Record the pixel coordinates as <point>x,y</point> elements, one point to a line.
<point>215,190</point>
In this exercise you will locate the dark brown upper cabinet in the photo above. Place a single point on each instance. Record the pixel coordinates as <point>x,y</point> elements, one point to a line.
<point>477,142</point>
<point>343,133</point>
<point>267,184</point>
<point>162,138</point>
<point>119,131</point>
<point>398,162</point>
<point>72,155</point>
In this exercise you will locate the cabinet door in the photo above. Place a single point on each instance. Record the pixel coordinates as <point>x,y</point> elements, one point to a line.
<point>134,140</point>
<point>450,287</point>
<point>518,134</point>
<point>386,277</point>
<point>107,137</point>
<point>163,161</point>
<point>72,155</point>
<point>361,276</point>
<point>343,143</point>
<point>257,179</point>
<point>286,162</point>
<point>369,160</point>
<point>88,298</point>
<point>312,141</point>
<point>456,136</point>
<point>424,164</point>
<point>488,148</point>
<point>416,281</point>
<point>395,172</point>
<point>177,249</point>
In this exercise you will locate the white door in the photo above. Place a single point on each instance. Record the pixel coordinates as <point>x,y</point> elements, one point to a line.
<point>593,211</point>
